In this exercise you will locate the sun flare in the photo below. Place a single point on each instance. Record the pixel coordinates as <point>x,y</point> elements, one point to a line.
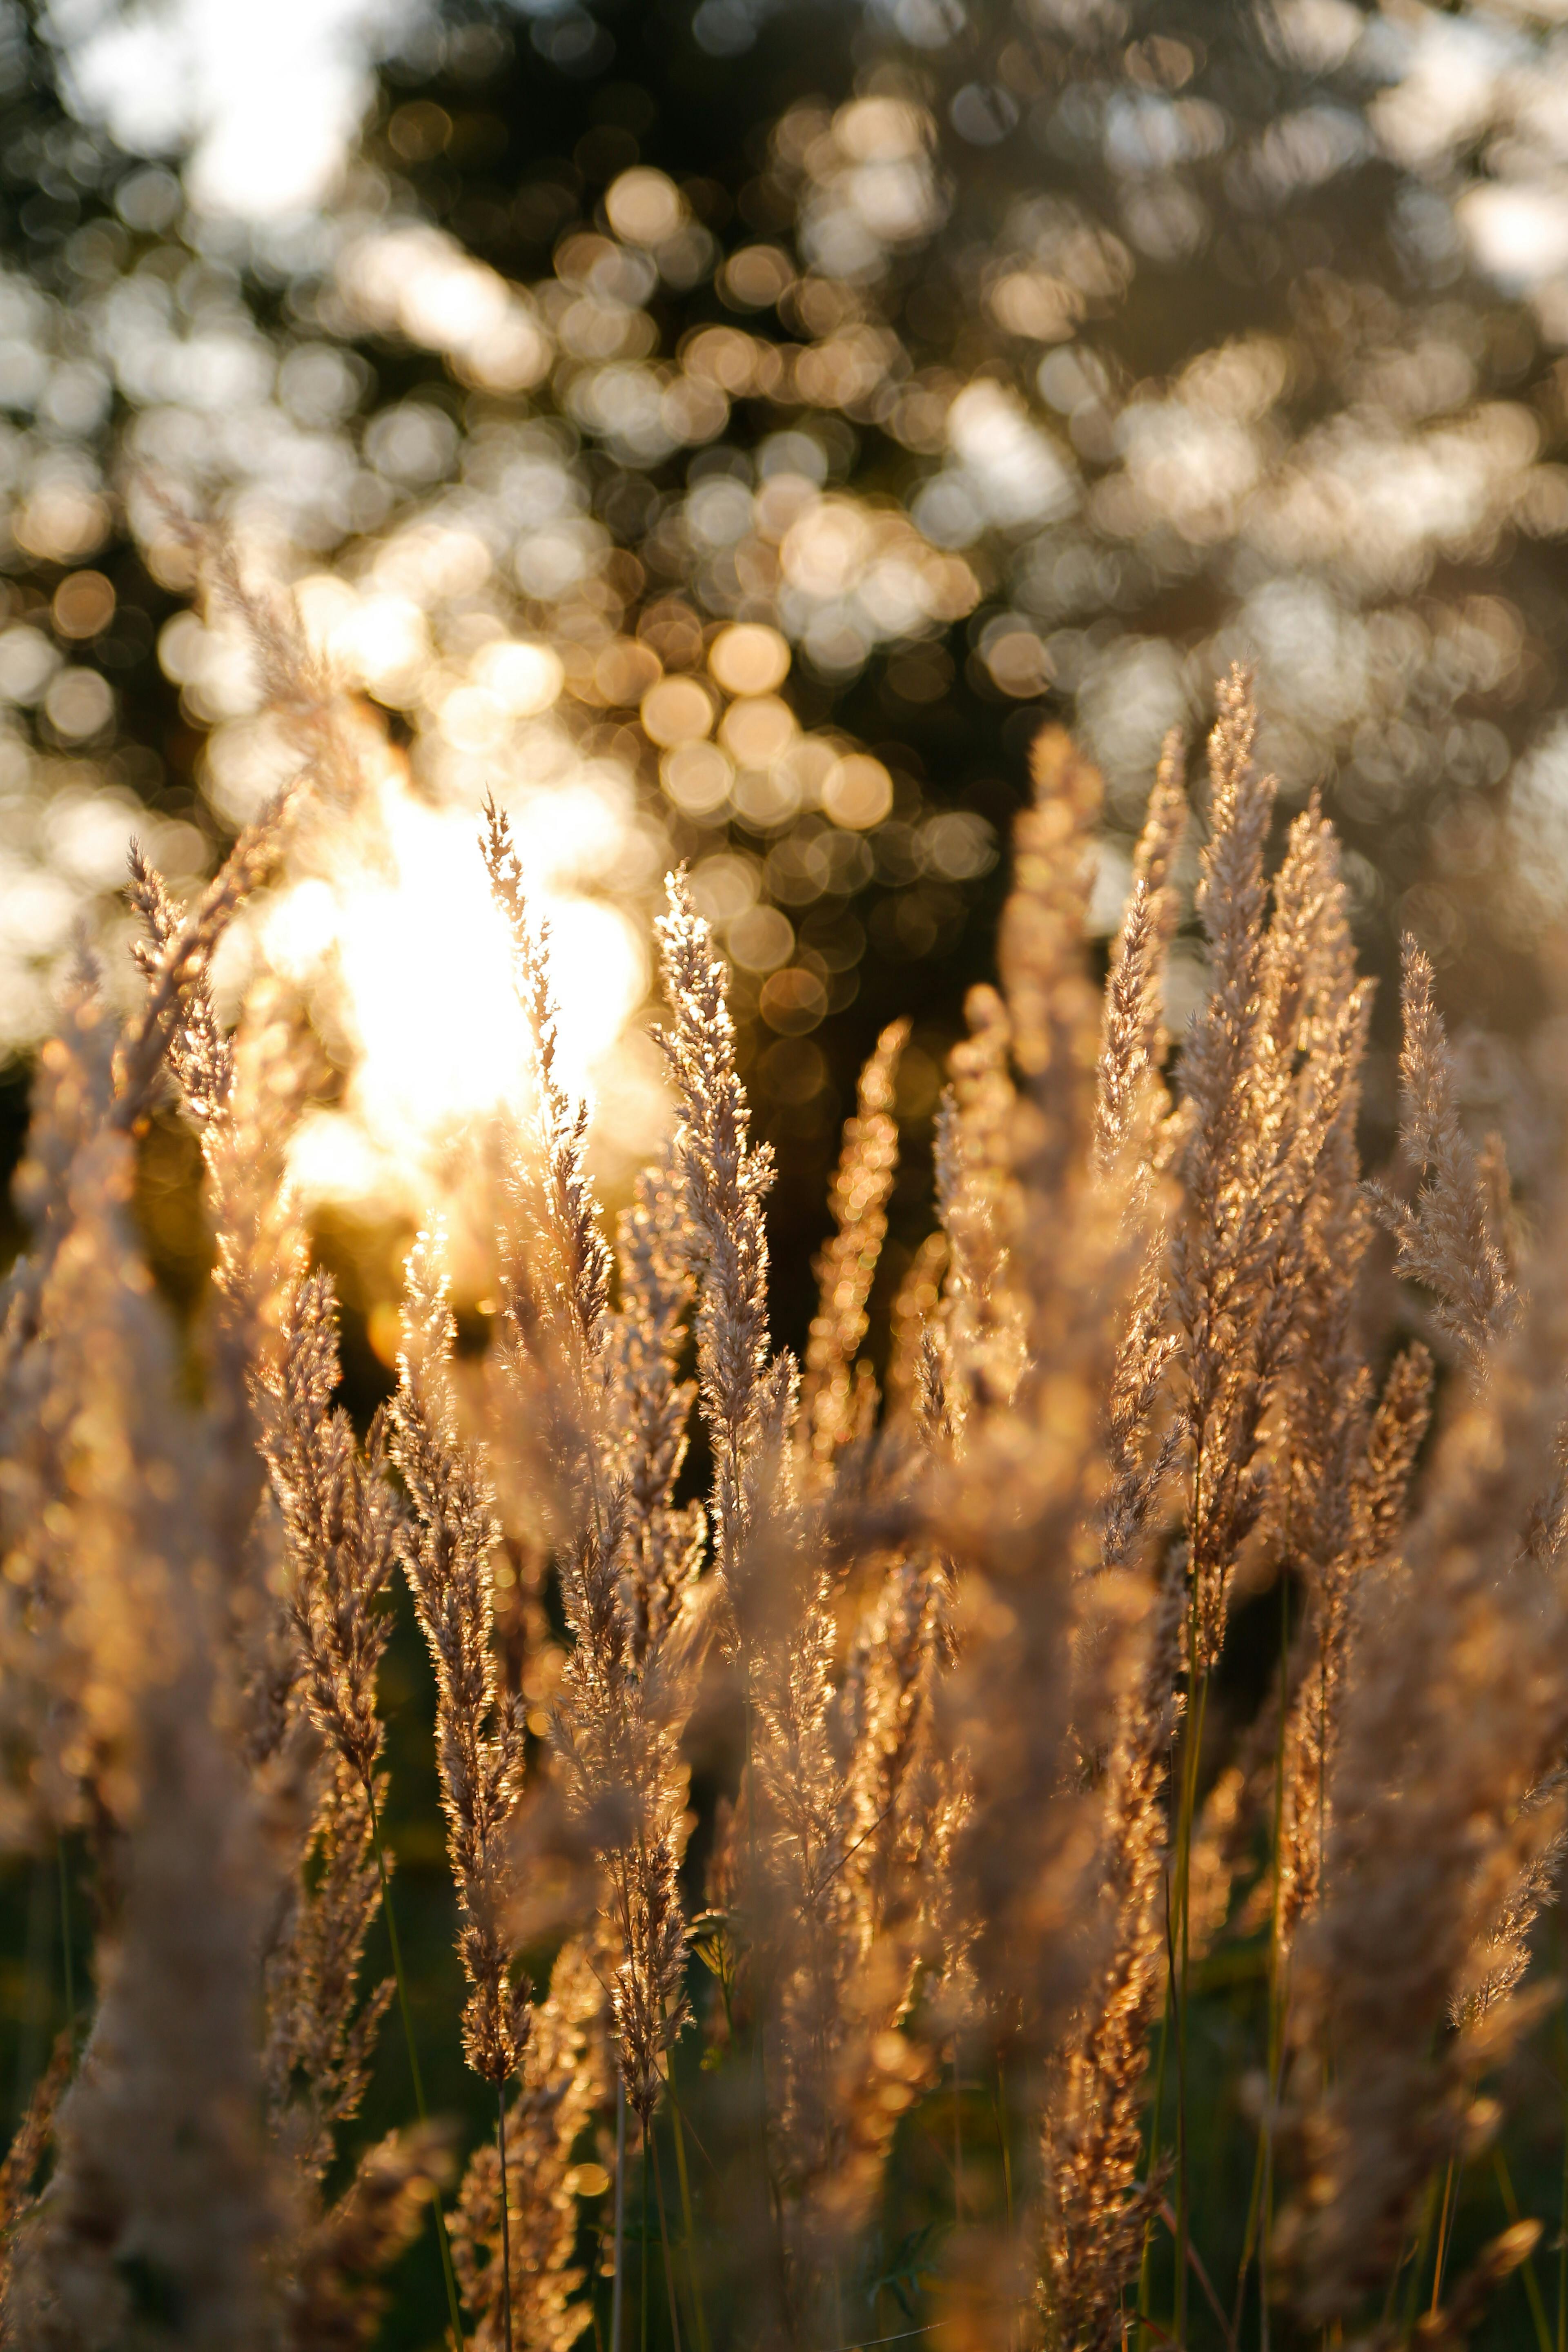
<point>406,964</point>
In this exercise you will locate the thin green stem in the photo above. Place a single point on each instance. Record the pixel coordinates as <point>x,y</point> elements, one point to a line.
<point>1394,2278</point>
<point>617,2282</point>
<point>957,2141</point>
<point>1532,2283</point>
<point>1443,2220</point>
<point>767,2181</point>
<point>505,2222</point>
<point>1563,2207</point>
<point>642,2265</point>
<point>1005,2136</point>
<point>1276,2001</point>
<point>1393,2287</point>
<point>687,2222</point>
<point>1197,1699</point>
<point>404,2011</point>
<point>593,2297</point>
<point>1156,2114</point>
<point>447,2273</point>
<point>65,1958</point>
<point>1418,2262</point>
<point>1249,2235</point>
<point>663,2235</point>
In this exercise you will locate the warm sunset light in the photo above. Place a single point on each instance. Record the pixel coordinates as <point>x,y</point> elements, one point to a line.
<point>408,962</point>
<point>784,1072</point>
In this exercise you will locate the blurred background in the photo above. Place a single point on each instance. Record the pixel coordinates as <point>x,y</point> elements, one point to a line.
<point>724,430</point>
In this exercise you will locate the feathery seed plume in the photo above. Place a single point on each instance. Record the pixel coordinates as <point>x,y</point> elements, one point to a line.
<point>447,1557</point>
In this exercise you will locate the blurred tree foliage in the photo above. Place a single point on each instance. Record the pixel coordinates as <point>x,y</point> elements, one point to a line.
<point>1082,346</point>
<point>1014,360</point>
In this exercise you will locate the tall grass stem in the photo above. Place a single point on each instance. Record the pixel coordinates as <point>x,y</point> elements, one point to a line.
<point>1563,2202</point>
<point>1156,2110</point>
<point>447,2274</point>
<point>642,2263</point>
<point>617,2282</point>
<point>1444,2218</point>
<point>66,1960</point>
<point>664,2239</point>
<point>686,2215</point>
<point>505,2221</point>
<point>1197,1689</point>
<point>1532,2283</point>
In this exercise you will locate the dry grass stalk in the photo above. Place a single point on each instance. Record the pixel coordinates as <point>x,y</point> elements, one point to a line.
<point>1134,1132</point>
<point>184,1740</point>
<point>1262,1262</point>
<point>1014,1508</point>
<point>1266,1074</point>
<point>630,1676</point>
<point>1452,1238</point>
<point>65,1718</point>
<point>161,2188</point>
<point>332,2299</point>
<point>1095,2210</point>
<point>1045,1646</point>
<point>1134,1041</point>
<point>178,973</point>
<point>746,1399</point>
<point>341,1524</point>
<point>1296,1768</point>
<point>152,1602</point>
<point>19,2168</point>
<point>175,1026</point>
<point>914,1322</point>
<point>562,2088</point>
<point>1434,1830</point>
<point>980,1341</point>
<point>831,1884</point>
<point>320,2036</point>
<point>664,1544</point>
<point>840,1880</point>
<point>1096,2204</point>
<point>834,1407</point>
<point>447,1556</point>
<point>303,1627</point>
<point>1376,1457</point>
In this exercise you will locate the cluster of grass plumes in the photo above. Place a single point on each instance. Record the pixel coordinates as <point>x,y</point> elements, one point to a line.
<point>945,1645</point>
